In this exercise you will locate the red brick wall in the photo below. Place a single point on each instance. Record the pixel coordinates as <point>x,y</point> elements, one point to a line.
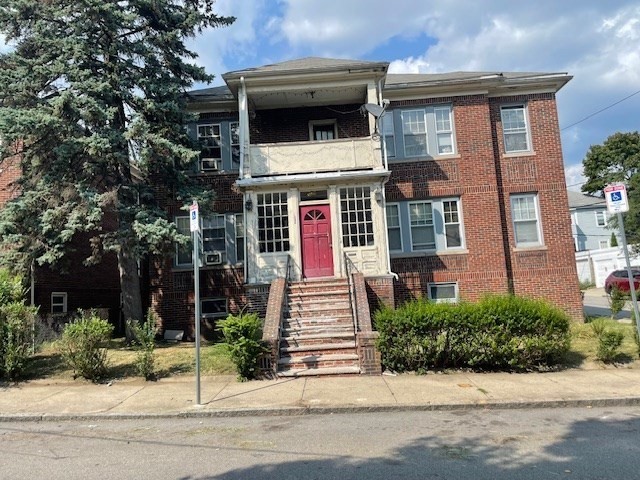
<point>292,124</point>
<point>549,272</point>
<point>484,178</point>
<point>9,173</point>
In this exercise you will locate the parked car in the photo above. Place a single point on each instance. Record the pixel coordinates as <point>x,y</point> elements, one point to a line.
<point>620,279</point>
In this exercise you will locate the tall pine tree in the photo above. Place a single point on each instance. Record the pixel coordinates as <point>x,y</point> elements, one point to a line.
<point>92,105</point>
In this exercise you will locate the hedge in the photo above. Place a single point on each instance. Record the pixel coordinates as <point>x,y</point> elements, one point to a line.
<point>497,333</point>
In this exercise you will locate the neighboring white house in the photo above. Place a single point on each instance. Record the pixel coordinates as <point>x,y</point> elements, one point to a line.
<point>589,222</point>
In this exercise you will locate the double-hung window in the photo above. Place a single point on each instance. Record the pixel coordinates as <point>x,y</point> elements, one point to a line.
<point>394,229</point>
<point>213,234</point>
<point>234,135</point>
<point>422,227</point>
<point>433,225</point>
<point>425,131</point>
<point>515,129</point>
<point>386,122</point>
<point>211,150</point>
<point>184,253</point>
<point>526,220</point>
<point>601,218</point>
<point>414,131</point>
<point>222,240</point>
<point>239,231</point>
<point>452,230</point>
<point>444,131</point>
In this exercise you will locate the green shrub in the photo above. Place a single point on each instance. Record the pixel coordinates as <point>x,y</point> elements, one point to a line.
<point>598,326</point>
<point>145,340</point>
<point>497,333</point>
<point>243,334</point>
<point>609,342</point>
<point>82,344</point>
<point>617,299</point>
<point>16,337</point>
<point>11,289</point>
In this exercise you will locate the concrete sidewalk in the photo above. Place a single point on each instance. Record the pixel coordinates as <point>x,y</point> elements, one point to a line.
<point>224,396</point>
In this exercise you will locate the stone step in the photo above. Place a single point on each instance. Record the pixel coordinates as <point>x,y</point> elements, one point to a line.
<point>319,297</point>
<point>310,323</point>
<point>318,349</point>
<point>314,372</point>
<point>327,310</point>
<point>310,285</point>
<point>317,330</point>
<point>318,362</point>
<point>311,341</point>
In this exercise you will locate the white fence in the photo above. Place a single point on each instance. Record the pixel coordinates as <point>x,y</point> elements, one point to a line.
<point>594,265</point>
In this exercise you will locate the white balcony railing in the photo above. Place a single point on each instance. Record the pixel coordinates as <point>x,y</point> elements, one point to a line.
<point>306,157</point>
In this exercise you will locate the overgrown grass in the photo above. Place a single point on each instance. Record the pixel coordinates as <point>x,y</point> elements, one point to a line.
<point>584,342</point>
<point>171,359</point>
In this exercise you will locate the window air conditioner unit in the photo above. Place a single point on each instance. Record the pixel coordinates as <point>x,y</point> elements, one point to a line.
<point>212,258</point>
<point>209,164</point>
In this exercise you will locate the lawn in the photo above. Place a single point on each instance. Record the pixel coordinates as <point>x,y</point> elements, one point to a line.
<point>171,359</point>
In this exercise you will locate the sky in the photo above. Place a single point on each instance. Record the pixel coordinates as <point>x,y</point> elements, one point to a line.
<point>596,41</point>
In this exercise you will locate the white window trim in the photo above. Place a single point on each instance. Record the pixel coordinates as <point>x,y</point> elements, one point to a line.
<point>218,159</point>
<point>175,258</point>
<point>385,121</point>
<point>527,132</point>
<point>329,121</point>
<point>433,226</point>
<point>231,144</point>
<point>64,302</point>
<point>444,300</point>
<point>236,236</point>
<point>449,131</point>
<point>604,218</point>
<point>540,241</point>
<point>460,223</point>
<point>399,227</point>
<point>215,315</point>
<point>426,132</point>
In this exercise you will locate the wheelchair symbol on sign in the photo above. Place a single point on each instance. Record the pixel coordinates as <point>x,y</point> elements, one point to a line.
<point>616,196</point>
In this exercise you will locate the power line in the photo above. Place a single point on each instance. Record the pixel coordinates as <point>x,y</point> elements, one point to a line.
<point>600,111</point>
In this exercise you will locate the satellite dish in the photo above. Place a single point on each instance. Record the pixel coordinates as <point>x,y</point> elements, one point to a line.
<point>373,108</point>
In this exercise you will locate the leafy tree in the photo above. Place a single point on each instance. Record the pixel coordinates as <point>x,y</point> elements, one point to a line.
<point>92,104</point>
<point>617,160</point>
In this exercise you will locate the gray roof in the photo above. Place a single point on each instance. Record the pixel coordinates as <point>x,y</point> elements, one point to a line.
<point>400,79</point>
<point>580,200</point>
<point>308,64</point>
<point>213,93</point>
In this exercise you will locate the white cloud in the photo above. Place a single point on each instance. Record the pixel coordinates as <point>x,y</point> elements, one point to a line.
<point>574,177</point>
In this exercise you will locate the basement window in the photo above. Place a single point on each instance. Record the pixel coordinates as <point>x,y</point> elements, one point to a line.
<point>59,302</point>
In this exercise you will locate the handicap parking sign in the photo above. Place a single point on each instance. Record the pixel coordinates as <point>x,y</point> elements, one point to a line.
<point>616,198</point>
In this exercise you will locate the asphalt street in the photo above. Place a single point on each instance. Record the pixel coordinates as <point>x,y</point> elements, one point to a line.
<point>566,443</point>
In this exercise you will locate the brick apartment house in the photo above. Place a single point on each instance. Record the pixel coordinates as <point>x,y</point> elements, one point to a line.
<point>335,176</point>
<point>340,187</point>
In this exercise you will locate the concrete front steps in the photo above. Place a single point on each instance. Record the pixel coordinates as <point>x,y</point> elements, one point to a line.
<point>317,333</point>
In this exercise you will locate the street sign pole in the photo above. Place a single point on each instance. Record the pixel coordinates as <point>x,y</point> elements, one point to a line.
<point>632,287</point>
<point>194,225</point>
<point>616,198</point>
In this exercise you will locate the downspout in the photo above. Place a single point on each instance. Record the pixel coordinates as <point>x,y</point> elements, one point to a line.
<point>244,126</point>
<point>384,197</point>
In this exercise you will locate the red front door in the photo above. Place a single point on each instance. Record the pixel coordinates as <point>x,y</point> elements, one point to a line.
<point>317,256</point>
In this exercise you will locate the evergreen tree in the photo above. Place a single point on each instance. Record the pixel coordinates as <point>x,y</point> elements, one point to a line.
<point>92,101</point>
<point>614,240</point>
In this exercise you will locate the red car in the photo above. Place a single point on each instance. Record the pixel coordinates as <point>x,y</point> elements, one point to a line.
<point>620,279</point>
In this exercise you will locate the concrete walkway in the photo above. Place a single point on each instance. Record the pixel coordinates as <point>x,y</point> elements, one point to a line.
<point>224,396</point>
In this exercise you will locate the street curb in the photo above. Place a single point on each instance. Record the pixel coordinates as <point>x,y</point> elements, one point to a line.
<point>300,411</point>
